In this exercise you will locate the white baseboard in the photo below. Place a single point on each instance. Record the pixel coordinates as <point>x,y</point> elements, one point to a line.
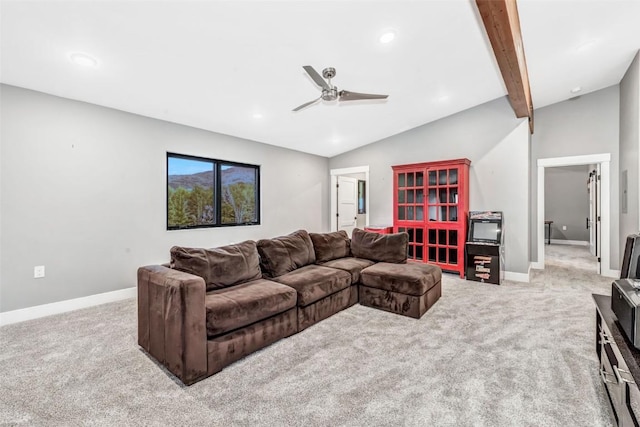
<point>610,273</point>
<point>38,311</point>
<point>569,242</point>
<point>537,265</point>
<point>516,277</point>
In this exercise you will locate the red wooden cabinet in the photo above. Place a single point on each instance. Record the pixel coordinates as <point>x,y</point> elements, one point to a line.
<point>380,229</point>
<point>431,204</point>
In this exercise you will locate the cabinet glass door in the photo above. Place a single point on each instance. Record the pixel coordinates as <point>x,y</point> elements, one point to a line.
<point>410,196</point>
<point>442,246</point>
<point>442,189</point>
<point>415,250</point>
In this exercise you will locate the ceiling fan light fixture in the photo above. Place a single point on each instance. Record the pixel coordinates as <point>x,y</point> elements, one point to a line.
<point>387,36</point>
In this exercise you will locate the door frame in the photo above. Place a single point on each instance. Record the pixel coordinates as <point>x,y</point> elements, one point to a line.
<point>604,160</point>
<point>334,173</point>
<point>594,199</point>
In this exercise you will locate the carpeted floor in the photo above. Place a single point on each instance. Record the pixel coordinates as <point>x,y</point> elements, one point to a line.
<point>485,355</point>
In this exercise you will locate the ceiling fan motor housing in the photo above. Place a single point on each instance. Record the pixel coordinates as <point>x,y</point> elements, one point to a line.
<point>329,73</point>
<point>330,95</point>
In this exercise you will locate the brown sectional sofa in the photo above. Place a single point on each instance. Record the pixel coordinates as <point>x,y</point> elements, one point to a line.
<point>211,307</point>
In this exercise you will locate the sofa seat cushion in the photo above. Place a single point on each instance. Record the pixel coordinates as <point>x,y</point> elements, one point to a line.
<point>315,282</point>
<point>409,279</point>
<point>379,247</point>
<point>241,305</point>
<point>219,267</point>
<point>284,254</point>
<point>328,246</point>
<point>351,265</point>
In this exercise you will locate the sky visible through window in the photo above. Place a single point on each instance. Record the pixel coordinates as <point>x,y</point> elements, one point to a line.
<point>178,166</point>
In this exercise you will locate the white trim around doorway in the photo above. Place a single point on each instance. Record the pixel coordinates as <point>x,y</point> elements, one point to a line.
<point>604,160</point>
<point>334,197</point>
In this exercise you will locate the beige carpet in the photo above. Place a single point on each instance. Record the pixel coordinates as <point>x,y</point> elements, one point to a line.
<point>485,355</point>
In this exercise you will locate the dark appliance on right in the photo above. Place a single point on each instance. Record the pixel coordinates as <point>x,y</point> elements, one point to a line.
<point>484,247</point>
<point>625,292</point>
<point>618,338</point>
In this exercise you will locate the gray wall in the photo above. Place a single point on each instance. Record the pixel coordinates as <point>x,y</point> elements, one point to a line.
<point>497,144</point>
<point>586,125</point>
<point>566,201</point>
<point>630,148</point>
<point>83,193</point>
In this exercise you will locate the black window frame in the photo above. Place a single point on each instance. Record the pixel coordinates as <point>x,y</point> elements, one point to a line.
<point>217,199</point>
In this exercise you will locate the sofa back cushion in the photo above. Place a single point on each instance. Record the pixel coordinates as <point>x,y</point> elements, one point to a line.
<point>219,267</point>
<point>329,246</point>
<point>284,254</point>
<point>380,247</point>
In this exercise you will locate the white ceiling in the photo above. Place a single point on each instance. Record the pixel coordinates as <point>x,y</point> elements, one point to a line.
<point>217,65</point>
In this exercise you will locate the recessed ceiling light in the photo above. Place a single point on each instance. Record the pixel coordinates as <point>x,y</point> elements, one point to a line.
<point>387,36</point>
<point>576,89</point>
<point>257,115</point>
<point>442,98</point>
<point>83,59</point>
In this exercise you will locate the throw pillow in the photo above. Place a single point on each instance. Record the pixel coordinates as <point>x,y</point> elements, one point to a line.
<point>329,246</point>
<point>284,254</point>
<point>380,247</point>
<point>219,267</point>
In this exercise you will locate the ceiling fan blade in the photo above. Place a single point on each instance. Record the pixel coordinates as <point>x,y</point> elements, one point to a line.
<point>345,95</point>
<point>306,104</point>
<point>316,77</point>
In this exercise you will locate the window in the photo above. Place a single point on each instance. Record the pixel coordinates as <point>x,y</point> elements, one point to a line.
<point>211,193</point>
<point>362,197</point>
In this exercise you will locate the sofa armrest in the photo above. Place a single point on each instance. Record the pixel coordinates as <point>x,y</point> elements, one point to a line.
<point>172,320</point>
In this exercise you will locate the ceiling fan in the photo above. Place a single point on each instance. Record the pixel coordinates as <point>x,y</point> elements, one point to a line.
<point>330,92</point>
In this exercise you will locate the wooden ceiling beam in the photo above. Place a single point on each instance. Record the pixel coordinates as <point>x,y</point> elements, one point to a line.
<point>501,21</point>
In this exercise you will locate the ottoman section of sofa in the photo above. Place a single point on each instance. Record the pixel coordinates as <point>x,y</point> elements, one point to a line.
<point>322,292</point>
<point>408,289</point>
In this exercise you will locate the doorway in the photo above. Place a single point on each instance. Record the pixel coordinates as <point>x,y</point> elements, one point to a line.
<point>603,162</point>
<point>593,222</point>
<point>342,212</point>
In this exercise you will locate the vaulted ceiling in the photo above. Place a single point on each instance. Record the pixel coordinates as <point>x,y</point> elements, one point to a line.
<point>235,67</point>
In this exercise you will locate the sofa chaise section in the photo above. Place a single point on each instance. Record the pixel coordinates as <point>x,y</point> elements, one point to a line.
<point>393,284</point>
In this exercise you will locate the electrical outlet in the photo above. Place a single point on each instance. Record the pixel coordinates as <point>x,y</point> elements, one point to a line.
<point>38,271</point>
<point>564,227</point>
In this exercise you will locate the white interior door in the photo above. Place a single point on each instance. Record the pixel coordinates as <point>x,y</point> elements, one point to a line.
<point>347,203</point>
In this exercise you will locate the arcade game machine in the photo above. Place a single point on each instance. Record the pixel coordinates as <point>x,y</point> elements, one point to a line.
<point>485,248</point>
